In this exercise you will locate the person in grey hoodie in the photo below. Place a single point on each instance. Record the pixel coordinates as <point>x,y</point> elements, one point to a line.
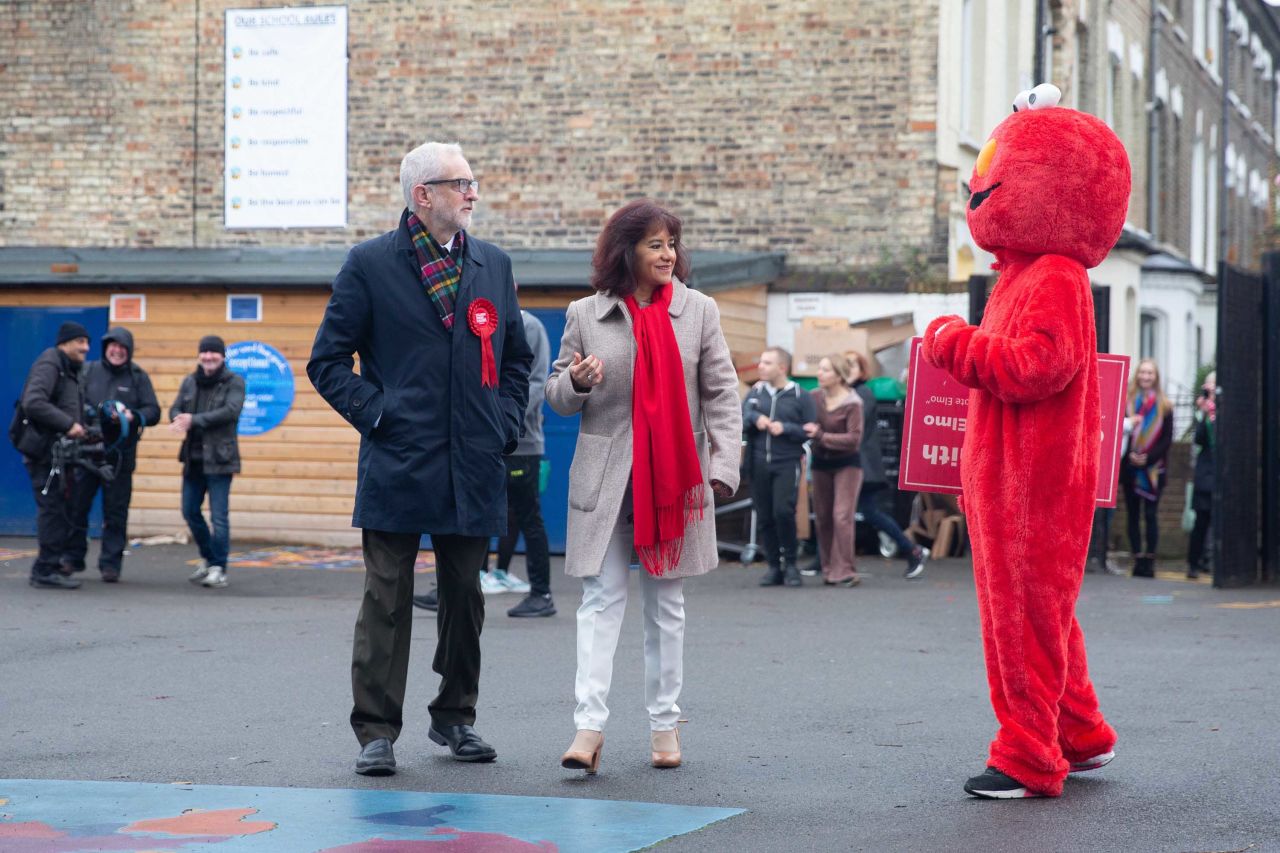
<point>524,497</point>
<point>121,394</point>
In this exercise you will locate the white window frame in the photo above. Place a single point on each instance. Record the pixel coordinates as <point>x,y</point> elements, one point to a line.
<point>257,297</point>
<point>142,302</point>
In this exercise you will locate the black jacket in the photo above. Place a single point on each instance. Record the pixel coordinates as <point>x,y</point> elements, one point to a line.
<point>51,397</point>
<point>433,462</point>
<point>1204,474</point>
<point>793,406</point>
<point>216,419</point>
<point>128,384</point>
<point>872,452</point>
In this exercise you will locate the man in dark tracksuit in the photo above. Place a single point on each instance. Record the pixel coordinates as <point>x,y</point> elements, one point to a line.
<point>773,418</point>
<point>52,404</point>
<point>114,379</point>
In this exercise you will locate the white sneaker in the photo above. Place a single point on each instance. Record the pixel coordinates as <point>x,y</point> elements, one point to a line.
<point>511,583</point>
<point>216,578</point>
<point>202,569</point>
<point>490,585</point>
<point>1100,760</point>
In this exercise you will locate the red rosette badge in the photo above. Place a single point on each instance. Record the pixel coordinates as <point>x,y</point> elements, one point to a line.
<point>482,317</point>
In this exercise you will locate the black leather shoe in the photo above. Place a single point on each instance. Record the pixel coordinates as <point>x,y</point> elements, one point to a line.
<point>773,577</point>
<point>110,575</point>
<point>430,601</point>
<point>463,742</point>
<point>376,758</point>
<point>54,580</point>
<point>790,575</point>
<point>534,605</point>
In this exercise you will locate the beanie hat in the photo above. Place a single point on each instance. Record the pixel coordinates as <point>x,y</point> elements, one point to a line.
<point>212,343</point>
<point>71,330</point>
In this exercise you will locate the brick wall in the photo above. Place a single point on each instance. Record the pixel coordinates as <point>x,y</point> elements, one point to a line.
<point>808,126</point>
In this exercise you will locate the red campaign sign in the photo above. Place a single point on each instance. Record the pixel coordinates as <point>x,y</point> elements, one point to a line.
<point>936,416</point>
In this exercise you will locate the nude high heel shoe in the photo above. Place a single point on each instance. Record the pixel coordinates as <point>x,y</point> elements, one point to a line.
<point>666,748</point>
<point>584,752</point>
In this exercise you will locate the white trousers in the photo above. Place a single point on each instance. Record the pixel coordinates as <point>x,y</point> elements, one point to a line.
<point>604,602</point>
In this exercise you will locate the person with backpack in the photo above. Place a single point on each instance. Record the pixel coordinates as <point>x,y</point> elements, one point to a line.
<point>121,395</point>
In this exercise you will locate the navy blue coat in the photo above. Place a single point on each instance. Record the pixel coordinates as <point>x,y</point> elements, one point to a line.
<point>433,463</point>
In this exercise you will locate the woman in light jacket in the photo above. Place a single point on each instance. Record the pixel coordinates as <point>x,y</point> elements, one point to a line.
<point>646,364</point>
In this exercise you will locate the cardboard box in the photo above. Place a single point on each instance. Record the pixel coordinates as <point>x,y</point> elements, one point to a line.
<point>885,332</point>
<point>819,337</point>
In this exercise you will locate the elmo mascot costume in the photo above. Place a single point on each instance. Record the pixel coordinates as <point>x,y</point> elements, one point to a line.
<point>1049,196</point>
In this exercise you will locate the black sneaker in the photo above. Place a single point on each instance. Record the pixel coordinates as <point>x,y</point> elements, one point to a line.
<point>994,785</point>
<point>534,605</point>
<point>54,580</point>
<point>915,563</point>
<point>790,575</point>
<point>430,601</point>
<point>773,577</point>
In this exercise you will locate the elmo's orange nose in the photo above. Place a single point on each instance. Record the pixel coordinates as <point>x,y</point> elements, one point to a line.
<point>984,158</point>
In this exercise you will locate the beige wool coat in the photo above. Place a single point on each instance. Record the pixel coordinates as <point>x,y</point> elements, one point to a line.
<point>600,325</point>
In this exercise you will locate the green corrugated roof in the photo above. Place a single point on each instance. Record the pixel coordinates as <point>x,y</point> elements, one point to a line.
<point>316,267</point>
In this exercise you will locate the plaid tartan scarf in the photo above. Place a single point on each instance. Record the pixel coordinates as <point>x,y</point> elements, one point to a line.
<point>441,274</point>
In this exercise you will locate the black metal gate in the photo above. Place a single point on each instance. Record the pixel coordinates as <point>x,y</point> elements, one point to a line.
<point>1238,446</point>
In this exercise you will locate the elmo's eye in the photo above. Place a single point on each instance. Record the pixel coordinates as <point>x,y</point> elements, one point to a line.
<point>1023,101</point>
<point>1043,97</point>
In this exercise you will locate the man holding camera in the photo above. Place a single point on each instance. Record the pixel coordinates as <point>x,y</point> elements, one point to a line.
<point>120,395</point>
<point>52,406</point>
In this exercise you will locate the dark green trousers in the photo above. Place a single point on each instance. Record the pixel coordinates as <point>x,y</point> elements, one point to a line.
<point>380,653</point>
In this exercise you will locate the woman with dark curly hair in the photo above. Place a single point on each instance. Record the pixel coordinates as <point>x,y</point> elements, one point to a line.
<point>646,364</point>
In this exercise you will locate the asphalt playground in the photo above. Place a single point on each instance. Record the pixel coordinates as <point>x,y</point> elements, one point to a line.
<point>153,715</point>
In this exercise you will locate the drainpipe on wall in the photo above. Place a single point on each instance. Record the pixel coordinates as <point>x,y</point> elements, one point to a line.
<point>1224,137</point>
<point>1038,75</point>
<point>1153,129</point>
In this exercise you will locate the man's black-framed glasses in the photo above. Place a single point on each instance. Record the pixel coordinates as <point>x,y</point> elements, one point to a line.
<point>460,185</point>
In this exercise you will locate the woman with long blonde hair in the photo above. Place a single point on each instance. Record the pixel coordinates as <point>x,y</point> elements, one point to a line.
<point>1149,417</point>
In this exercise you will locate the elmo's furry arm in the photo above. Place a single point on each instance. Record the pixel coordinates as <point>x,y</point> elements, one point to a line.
<point>1044,354</point>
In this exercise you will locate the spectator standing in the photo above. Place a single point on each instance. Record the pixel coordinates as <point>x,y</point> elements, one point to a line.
<point>1203,478</point>
<point>206,414</point>
<point>524,493</point>
<point>1142,470</point>
<point>836,437</point>
<point>52,406</point>
<point>123,395</point>
<point>773,417</point>
<point>873,477</point>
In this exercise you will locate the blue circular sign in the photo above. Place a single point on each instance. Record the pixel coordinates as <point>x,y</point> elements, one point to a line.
<point>268,381</point>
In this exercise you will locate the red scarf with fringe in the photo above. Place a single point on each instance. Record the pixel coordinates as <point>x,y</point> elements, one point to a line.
<point>666,476</point>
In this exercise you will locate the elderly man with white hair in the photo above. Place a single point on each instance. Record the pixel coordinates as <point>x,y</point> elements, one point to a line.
<point>439,399</point>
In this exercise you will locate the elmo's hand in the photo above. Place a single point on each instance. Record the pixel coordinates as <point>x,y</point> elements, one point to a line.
<point>936,350</point>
